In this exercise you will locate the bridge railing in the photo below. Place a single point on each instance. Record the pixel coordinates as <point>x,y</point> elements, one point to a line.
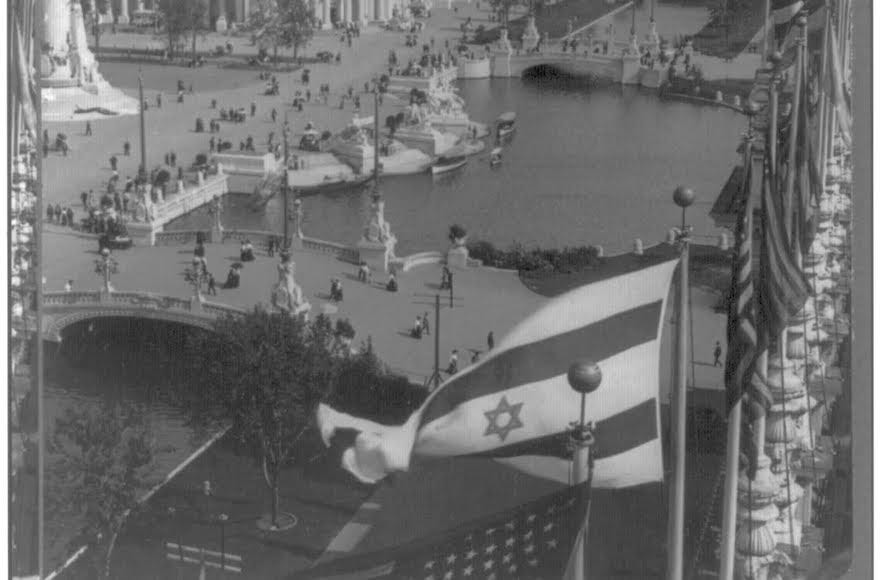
<point>190,199</point>
<point>341,251</point>
<point>71,298</point>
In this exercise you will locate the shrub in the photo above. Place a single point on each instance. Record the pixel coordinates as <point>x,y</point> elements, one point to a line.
<point>517,257</point>
<point>456,232</point>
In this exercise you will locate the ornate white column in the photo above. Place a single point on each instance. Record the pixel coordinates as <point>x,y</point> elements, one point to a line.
<point>123,12</point>
<point>346,11</point>
<point>325,18</point>
<point>56,26</point>
<point>316,9</point>
<point>222,23</point>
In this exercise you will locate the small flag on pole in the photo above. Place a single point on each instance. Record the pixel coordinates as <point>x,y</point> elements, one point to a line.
<point>24,81</point>
<point>838,94</point>
<point>782,287</point>
<point>534,540</point>
<point>516,405</point>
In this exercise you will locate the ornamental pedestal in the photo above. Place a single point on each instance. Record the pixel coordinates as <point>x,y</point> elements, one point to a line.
<point>378,244</point>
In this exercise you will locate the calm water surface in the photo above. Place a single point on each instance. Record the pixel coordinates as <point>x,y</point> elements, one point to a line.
<point>587,165</point>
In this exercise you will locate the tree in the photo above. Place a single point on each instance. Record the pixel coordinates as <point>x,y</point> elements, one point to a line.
<point>456,232</point>
<point>502,8</point>
<point>182,18</point>
<point>101,453</point>
<point>283,24</point>
<point>265,372</point>
<point>95,9</point>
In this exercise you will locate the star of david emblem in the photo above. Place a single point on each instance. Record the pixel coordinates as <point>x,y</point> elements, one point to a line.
<point>513,422</point>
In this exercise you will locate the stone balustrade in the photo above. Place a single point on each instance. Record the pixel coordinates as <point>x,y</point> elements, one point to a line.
<point>145,232</point>
<point>341,251</point>
<point>241,164</point>
<point>421,259</point>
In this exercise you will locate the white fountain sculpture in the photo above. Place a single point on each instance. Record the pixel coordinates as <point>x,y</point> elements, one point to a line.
<point>69,76</point>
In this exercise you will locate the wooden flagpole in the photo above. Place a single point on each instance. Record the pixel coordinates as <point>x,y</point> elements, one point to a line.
<point>683,197</point>
<point>734,427</point>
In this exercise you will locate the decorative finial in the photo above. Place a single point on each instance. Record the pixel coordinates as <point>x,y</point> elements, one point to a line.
<point>683,196</point>
<point>584,376</point>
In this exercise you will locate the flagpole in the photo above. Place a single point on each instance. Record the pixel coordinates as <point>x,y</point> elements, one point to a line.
<point>584,376</point>
<point>793,126</point>
<point>734,428</point>
<point>683,197</point>
<point>823,95</point>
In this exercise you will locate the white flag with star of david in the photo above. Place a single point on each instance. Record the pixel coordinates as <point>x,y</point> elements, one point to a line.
<point>516,404</point>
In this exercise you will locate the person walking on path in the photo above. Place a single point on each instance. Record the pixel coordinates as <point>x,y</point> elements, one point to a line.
<point>253,109</point>
<point>70,217</point>
<point>158,100</point>
<point>425,327</point>
<point>173,158</point>
<point>490,340</point>
<point>717,354</point>
<point>212,285</point>
<point>85,200</point>
<point>126,149</point>
<point>274,115</point>
<point>88,128</point>
<point>50,213</point>
<point>113,162</point>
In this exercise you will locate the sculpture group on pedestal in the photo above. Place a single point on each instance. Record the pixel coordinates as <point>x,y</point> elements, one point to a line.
<point>287,295</point>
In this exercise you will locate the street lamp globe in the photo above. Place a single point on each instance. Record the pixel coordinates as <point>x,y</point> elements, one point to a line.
<point>683,196</point>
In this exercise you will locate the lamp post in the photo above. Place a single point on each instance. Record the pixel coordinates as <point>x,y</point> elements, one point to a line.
<point>142,171</point>
<point>584,376</point>
<point>377,193</point>
<point>683,197</point>
<point>105,266</point>
<point>284,191</point>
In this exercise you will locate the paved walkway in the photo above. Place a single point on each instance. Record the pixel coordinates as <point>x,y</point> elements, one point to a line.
<point>488,299</point>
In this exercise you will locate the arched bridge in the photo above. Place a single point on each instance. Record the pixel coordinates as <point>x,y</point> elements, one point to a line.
<point>621,65</point>
<point>61,309</point>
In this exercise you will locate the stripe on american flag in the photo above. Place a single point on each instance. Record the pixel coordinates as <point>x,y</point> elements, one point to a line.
<point>783,289</point>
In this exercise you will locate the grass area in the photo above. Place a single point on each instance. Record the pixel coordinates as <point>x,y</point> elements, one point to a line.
<point>553,20</point>
<point>728,34</point>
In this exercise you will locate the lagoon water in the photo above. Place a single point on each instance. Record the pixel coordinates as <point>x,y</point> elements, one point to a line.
<point>587,165</point>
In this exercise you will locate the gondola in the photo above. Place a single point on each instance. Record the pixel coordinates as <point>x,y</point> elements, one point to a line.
<point>505,125</point>
<point>333,185</point>
<point>495,157</point>
<point>448,163</point>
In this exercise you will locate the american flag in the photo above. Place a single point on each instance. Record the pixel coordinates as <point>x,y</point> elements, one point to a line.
<point>534,540</point>
<point>742,333</point>
<point>782,287</point>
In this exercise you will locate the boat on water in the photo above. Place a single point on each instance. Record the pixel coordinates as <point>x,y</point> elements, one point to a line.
<point>495,157</point>
<point>506,124</point>
<point>333,184</point>
<point>446,163</point>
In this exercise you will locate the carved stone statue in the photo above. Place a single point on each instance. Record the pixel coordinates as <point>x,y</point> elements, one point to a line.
<point>504,42</point>
<point>378,230</point>
<point>531,37</point>
<point>287,295</point>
